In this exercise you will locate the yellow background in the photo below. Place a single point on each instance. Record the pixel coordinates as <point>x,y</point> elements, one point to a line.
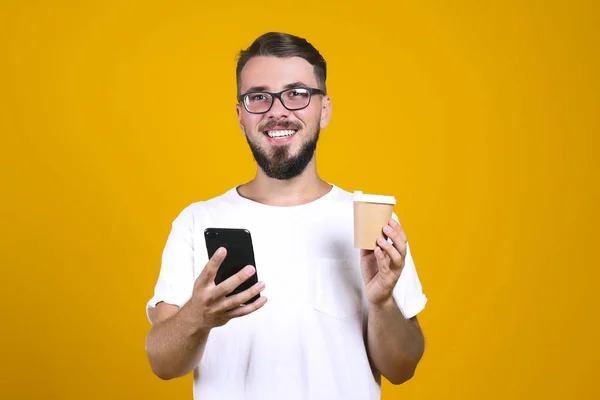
<point>480,117</point>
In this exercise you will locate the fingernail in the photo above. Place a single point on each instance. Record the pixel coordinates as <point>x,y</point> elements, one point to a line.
<point>220,251</point>
<point>249,270</point>
<point>260,285</point>
<point>381,241</point>
<point>387,229</point>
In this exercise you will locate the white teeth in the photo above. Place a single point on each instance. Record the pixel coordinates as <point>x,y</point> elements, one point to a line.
<point>280,133</point>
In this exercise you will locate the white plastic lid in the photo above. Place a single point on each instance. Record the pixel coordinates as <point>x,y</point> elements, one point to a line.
<point>373,198</point>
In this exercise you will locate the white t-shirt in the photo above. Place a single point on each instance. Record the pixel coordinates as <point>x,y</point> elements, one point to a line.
<point>308,340</point>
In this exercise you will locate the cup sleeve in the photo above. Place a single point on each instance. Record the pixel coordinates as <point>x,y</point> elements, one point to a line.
<point>175,282</point>
<point>408,292</point>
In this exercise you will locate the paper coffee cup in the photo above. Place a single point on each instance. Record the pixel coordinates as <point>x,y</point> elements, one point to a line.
<point>371,214</point>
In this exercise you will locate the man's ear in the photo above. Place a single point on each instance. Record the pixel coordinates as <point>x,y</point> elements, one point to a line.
<point>325,111</point>
<point>238,112</point>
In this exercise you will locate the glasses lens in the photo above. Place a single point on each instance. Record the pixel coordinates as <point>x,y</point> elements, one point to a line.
<point>258,102</point>
<point>296,98</point>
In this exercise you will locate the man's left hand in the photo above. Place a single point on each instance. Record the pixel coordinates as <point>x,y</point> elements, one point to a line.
<point>381,267</point>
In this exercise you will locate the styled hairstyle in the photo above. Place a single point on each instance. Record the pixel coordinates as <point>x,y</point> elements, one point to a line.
<point>283,45</point>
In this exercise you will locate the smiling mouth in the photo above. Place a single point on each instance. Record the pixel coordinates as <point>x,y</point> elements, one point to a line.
<point>280,133</point>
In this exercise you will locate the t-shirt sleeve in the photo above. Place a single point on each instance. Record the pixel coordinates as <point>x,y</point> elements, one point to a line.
<point>408,291</point>
<point>176,277</point>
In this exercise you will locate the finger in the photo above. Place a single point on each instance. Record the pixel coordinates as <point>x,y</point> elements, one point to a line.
<point>395,232</point>
<point>383,262</point>
<point>391,251</point>
<point>228,285</point>
<point>209,272</point>
<point>379,254</point>
<point>238,299</point>
<point>246,309</point>
<point>388,277</point>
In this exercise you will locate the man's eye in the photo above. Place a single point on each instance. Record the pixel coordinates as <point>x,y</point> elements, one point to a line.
<point>297,93</point>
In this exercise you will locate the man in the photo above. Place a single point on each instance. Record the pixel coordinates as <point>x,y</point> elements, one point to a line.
<point>337,318</point>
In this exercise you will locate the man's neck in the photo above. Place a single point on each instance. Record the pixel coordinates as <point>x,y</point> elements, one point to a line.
<point>302,189</point>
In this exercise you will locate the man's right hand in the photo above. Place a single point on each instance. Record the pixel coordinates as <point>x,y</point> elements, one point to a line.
<point>209,307</point>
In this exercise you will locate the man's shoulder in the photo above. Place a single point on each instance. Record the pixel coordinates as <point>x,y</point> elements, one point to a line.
<point>203,206</point>
<point>227,196</point>
<point>342,194</point>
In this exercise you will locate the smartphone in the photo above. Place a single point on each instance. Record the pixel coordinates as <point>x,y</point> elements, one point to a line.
<point>240,253</point>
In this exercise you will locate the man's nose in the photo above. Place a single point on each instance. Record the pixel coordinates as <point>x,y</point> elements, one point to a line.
<point>277,109</point>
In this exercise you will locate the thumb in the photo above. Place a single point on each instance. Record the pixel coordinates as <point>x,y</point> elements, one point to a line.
<point>364,253</point>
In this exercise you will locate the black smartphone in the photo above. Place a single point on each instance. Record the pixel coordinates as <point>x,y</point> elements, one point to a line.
<point>240,253</point>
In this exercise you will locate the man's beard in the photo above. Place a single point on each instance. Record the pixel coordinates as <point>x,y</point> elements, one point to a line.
<point>279,165</point>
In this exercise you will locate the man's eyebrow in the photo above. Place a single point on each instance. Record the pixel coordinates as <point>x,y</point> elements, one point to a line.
<point>263,88</point>
<point>256,89</point>
<point>297,84</point>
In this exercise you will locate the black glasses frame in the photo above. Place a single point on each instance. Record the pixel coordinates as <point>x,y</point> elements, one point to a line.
<point>311,92</point>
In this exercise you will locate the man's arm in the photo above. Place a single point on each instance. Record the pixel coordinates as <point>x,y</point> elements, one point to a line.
<point>175,344</point>
<point>395,344</point>
<point>176,341</point>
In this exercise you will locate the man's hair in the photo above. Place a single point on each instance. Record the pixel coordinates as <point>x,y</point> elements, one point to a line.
<point>283,45</point>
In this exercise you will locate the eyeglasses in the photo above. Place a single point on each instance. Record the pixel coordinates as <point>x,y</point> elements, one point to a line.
<point>293,99</point>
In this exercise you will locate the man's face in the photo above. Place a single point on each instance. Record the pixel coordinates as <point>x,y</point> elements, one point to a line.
<point>283,142</point>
